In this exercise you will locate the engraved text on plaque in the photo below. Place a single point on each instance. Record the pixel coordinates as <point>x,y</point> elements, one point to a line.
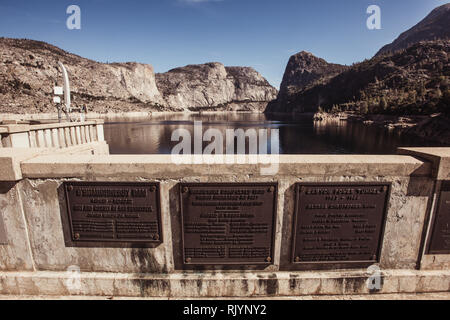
<point>228,223</point>
<point>339,223</point>
<point>113,212</point>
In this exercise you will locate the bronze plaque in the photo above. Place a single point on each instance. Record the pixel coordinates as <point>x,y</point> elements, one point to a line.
<point>123,214</point>
<point>228,224</point>
<point>3,239</point>
<point>440,237</point>
<point>339,223</point>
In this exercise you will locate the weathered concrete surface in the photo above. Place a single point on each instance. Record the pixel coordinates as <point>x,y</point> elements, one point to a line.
<point>227,285</point>
<point>3,239</point>
<point>440,160</point>
<point>162,167</point>
<point>439,157</point>
<point>436,262</point>
<point>411,189</point>
<point>158,272</point>
<point>11,158</point>
<point>16,255</point>
<point>387,296</point>
<point>43,208</point>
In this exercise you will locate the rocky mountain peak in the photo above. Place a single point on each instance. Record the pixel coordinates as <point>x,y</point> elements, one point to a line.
<point>306,61</point>
<point>411,81</point>
<point>205,86</point>
<point>305,54</point>
<point>435,26</point>
<point>305,69</point>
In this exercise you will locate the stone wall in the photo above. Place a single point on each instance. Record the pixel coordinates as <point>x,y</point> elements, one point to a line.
<point>35,259</point>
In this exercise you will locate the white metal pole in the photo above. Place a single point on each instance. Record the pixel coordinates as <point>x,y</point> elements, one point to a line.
<point>66,88</point>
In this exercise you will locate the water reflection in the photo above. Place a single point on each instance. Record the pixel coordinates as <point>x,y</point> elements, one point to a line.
<point>298,134</point>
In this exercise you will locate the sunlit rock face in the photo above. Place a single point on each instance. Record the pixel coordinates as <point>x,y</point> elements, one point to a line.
<point>212,86</point>
<point>29,70</point>
<point>250,85</point>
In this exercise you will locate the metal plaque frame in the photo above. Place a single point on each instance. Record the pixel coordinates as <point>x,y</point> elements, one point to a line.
<point>436,243</point>
<point>312,265</point>
<point>74,239</point>
<point>273,210</point>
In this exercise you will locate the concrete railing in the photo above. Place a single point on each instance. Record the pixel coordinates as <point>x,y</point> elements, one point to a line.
<point>51,135</point>
<point>35,255</point>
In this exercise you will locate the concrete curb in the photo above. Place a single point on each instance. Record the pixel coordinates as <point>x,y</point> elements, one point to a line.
<point>226,285</point>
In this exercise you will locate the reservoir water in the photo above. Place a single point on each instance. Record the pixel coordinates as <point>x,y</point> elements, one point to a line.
<point>297,134</point>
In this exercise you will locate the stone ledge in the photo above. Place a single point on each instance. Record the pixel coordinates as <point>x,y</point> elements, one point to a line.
<point>228,285</point>
<point>439,158</point>
<point>11,158</point>
<point>162,166</point>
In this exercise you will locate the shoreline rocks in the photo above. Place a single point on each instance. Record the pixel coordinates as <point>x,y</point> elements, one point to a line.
<point>433,128</point>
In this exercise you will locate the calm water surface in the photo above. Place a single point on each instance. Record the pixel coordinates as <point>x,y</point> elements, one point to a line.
<point>298,134</point>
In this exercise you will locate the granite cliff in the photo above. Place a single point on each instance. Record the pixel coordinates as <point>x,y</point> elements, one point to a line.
<point>411,81</point>
<point>304,70</point>
<point>29,69</point>
<point>212,86</point>
<point>409,76</point>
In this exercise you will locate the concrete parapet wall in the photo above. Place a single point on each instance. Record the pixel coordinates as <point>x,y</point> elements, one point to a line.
<point>35,259</point>
<point>50,135</point>
<point>11,158</point>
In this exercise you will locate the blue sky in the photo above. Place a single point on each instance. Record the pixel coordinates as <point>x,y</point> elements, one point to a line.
<point>171,33</point>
